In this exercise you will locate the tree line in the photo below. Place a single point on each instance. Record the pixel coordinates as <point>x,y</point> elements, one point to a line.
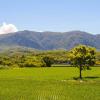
<point>36,58</point>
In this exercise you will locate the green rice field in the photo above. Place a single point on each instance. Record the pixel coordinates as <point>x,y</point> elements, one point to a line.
<point>54,83</point>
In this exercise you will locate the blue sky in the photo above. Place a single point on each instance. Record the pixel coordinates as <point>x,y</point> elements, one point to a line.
<point>52,15</point>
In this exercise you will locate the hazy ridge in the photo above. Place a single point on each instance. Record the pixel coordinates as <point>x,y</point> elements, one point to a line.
<point>49,40</point>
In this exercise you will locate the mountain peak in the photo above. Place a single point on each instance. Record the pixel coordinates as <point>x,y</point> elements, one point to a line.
<point>50,40</point>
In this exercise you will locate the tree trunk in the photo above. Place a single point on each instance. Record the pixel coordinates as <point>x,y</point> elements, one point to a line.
<point>80,72</point>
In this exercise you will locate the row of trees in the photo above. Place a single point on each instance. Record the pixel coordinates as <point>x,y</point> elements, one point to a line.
<point>25,61</point>
<point>32,58</point>
<point>43,58</point>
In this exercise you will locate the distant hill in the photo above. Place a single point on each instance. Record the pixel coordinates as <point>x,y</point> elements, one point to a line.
<point>49,40</point>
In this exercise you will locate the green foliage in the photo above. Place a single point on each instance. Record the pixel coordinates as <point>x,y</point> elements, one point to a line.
<point>4,67</point>
<point>34,58</point>
<point>97,58</point>
<point>31,61</point>
<point>82,57</point>
<point>59,56</point>
<point>19,60</point>
<point>48,61</point>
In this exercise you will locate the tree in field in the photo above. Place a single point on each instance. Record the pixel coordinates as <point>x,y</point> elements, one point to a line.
<point>48,61</point>
<point>82,57</point>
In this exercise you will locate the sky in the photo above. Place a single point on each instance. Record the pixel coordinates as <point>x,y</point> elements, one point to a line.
<point>50,15</point>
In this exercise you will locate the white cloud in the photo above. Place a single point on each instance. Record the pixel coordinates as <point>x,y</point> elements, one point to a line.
<point>8,28</point>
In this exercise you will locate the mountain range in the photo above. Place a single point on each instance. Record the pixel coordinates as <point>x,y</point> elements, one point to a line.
<point>49,40</point>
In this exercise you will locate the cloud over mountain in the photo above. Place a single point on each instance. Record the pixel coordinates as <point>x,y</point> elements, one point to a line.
<point>7,28</point>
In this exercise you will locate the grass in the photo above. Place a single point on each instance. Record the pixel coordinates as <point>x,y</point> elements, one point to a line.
<point>55,83</point>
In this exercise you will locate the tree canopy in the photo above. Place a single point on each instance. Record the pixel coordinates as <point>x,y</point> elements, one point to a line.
<point>82,57</point>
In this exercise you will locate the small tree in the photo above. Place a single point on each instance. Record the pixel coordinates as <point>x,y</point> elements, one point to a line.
<point>82,57</point>
<point>48,61</point>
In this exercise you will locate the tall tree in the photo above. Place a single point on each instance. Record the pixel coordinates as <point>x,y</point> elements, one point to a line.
<point>82,57</point>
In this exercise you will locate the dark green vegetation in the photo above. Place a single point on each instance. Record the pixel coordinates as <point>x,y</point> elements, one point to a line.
<point>48,61</point>
<point>49,40</point>
<point>82,57</point>
<point>54,83</point>
<point>34,58</point>
<point>31,58</point>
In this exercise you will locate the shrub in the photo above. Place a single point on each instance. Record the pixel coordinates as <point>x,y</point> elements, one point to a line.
<point>48,61</point>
